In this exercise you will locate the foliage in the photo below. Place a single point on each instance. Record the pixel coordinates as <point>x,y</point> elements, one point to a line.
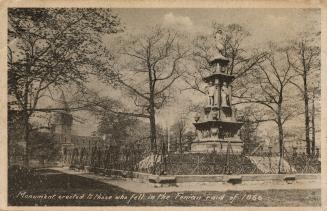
<point>249,128</point>
<point>115,125</point>
<point>53,47</point>
<point>44,148</point>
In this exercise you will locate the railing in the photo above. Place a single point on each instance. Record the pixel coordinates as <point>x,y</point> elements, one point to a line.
<point>101,159</point>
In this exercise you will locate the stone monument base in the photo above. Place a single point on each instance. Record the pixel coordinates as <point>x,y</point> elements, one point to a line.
<point>220,146</point>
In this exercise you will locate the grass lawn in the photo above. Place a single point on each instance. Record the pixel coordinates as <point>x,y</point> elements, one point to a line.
<point>52,188</point>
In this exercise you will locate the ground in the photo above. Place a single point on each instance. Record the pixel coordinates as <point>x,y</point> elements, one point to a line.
<point>72,190</point>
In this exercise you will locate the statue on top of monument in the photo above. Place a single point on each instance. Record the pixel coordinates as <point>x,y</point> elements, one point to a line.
<point>216,52</point>
<point>218,36</point>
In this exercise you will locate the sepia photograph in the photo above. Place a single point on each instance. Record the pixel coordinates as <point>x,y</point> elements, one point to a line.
<point>179,107</point>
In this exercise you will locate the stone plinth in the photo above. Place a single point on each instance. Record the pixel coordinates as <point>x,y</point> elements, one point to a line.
<point>220,146</point>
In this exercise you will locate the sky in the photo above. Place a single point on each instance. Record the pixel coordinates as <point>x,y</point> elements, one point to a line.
<point>264,25</point>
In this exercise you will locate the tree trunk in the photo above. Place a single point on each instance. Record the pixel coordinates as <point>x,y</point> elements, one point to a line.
<point>152,111</point>
<point>180,143</point>
<point>306,115</point>
<point>153,132</point>
<point>280,140</point>
<point>26,138</point>
<point>26,116</point>
<point>313,127</point>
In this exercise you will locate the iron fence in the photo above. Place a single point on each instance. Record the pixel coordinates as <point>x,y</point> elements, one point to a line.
<point>129,159</point>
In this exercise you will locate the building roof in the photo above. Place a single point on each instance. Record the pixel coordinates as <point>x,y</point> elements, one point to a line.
<point>61,103</point>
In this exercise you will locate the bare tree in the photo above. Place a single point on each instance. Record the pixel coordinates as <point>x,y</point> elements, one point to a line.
<point>49,48</point>
<point>271,88</point>
<point>305,60</point>
<point>146,67</point>
<point>179,130</point>
<point>315,112</point>
<point>313,126</point>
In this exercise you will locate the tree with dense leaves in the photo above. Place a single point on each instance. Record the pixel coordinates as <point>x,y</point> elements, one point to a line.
<point>49,48</point>
<point>115,125</point>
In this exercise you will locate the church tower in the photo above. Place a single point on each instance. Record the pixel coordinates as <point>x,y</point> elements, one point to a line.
<point>62,121</point>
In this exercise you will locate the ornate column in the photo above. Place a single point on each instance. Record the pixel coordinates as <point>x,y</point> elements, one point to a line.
<point>230,94</point>
<point>218,93</point>
<point>218,96</point>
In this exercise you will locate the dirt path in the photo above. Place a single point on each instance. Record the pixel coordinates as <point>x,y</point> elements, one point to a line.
<point>139,187</point>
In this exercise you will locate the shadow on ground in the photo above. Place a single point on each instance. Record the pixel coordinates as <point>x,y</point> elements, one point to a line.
<point>44,187</point>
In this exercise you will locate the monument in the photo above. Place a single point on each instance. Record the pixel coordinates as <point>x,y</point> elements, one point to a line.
<point>216,127</point>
